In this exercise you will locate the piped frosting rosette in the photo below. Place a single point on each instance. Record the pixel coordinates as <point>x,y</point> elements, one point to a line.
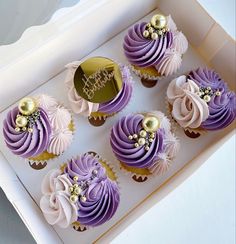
<point>155,49</point>
<point>201,101</point>
<point>144,144</point>
<point>99,110</point>
<point>83,194</point>
<point>38,129</point>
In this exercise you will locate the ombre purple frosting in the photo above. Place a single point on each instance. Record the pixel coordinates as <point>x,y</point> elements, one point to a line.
<point>123,97</point>
<point>124,148</point>
<point>222,109</point>
<point>102,193</point>
<point>24,143</point>
<point>144,52</point>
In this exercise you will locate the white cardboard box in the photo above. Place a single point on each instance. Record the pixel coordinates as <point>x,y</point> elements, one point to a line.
<point>72,36</point>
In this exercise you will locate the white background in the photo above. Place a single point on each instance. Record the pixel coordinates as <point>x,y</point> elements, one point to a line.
<point>201,211</point>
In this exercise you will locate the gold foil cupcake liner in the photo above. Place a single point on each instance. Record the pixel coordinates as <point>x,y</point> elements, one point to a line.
<point>149,73</point>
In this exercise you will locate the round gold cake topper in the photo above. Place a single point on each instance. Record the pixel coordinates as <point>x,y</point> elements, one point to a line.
<point>98,80</point>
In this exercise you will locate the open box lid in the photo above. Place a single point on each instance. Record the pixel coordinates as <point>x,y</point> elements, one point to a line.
<point>48,60</point>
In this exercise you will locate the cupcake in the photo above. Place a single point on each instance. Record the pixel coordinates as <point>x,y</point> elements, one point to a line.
<point>98,88</point>
<point>155,49</point>
<point>38,129</point>
<point>144,144</point>
<point>84,193</point>
<point>201,101</point>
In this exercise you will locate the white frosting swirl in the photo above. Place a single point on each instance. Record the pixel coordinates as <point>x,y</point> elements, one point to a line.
<point>170,63</point>
<point>60,118</point>
<point>46,102</point>
<point>55,204</point>
<point>189,110</point>
<point>78,104</point>
<point>180,42</point>
<point>171,24</point>
<point>60,141</point>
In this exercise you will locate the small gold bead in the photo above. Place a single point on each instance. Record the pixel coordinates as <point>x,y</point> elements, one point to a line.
<point>17,129</point>
<point>135,136</point>
<point>21,121</point>
<point>154,36</point>
<point>206,91</point>
<point>145,33</point>
<point>164,30</point>
<point>130,137</point>
<point>75,178</point>
<point>218,93</point>
<point>95,172</point>
<point>160,32</point>
<point>136,145</point>
<point>148,25</point>
<point>71,189</point>
<point>141,141</point>
<point>77,190</point>
<point>74,198</point>
<point>207,98</point>
<point>143,133</point>
<point>150,140</point>
<point>30,130</point>
<point>24,128</point>
<point>151,30</point>
<point>83,198</point>
<point>75,185</point>
<point>152,135</point>
<point>147,148</point>
<point>209,88</point>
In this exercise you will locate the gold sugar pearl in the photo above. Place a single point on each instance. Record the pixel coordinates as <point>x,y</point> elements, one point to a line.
<point>145,33</point>
<point>150,140</point>
<point>77,190</point>
<point>75,185</point>
<point>24,128</point>
<point>135,136</point>
<point>21,121</point>
<point>74,198</point>
<point>151,30</point>
<point>27,106</point>
<point>30,130</point>
<point>147,148</point>
<point>148,25</point>
<point>130,137</point>
<point>136,145</point>
<point>83,198</point>
<point>141,141</point>
<point>159,21</point>
<point>207,98</point>
<point>150,124</point>
<point>75,178</point>
<point>17,129</point>
<point>218,93</point>
<point>143,133</point>
<point>154,36</point>
<point>152,135</point>
<point>71,189</point>
<point>160,32</point>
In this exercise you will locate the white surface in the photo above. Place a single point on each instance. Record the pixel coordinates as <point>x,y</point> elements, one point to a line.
<point>200,211</point>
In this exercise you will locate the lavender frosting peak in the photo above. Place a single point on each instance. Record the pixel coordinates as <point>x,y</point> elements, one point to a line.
<point>145,52</point>
<point>102,193</point>
<point>124,148</point>
<point>123,97</point>
<point>24,143</point>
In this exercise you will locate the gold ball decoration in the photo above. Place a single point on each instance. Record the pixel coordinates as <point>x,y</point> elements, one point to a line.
<point>158,21</point>
<point>147,148</point>
<point>154,36</point>
<point>136,144</point>
<point>71,189</point>
<point>141,141</point>
<point>145,33</point>
<point>143,133</point>
<point>135,136</point>
<point>218,93</point>
<point>17,129</point>
<point>150,124</point>
<point>207,98</point>
<point>74,198</point>
<point>21,121</point>
<point>130,137</point>
<point>27,106</point>
<point>83,198</point>
<point>30,130</point>
<point>77,190</point>
<point>75,178</point>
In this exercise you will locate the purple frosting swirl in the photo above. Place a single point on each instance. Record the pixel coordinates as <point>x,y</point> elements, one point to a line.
<point>205,77</point>
<point>123,97</point>
<point>222,111</point>
<point>102,194</point>
<point>24,143</point>
<point>145,52</point>
<point>124,148</point>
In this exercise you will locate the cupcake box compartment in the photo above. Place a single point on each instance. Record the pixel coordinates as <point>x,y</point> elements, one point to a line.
<point>210,45</point>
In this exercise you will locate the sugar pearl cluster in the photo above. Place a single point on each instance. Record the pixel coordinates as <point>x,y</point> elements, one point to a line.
<point>77,189</point>
<point>28,115</point>
<point>157,27</point>
<point>206,93</point>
